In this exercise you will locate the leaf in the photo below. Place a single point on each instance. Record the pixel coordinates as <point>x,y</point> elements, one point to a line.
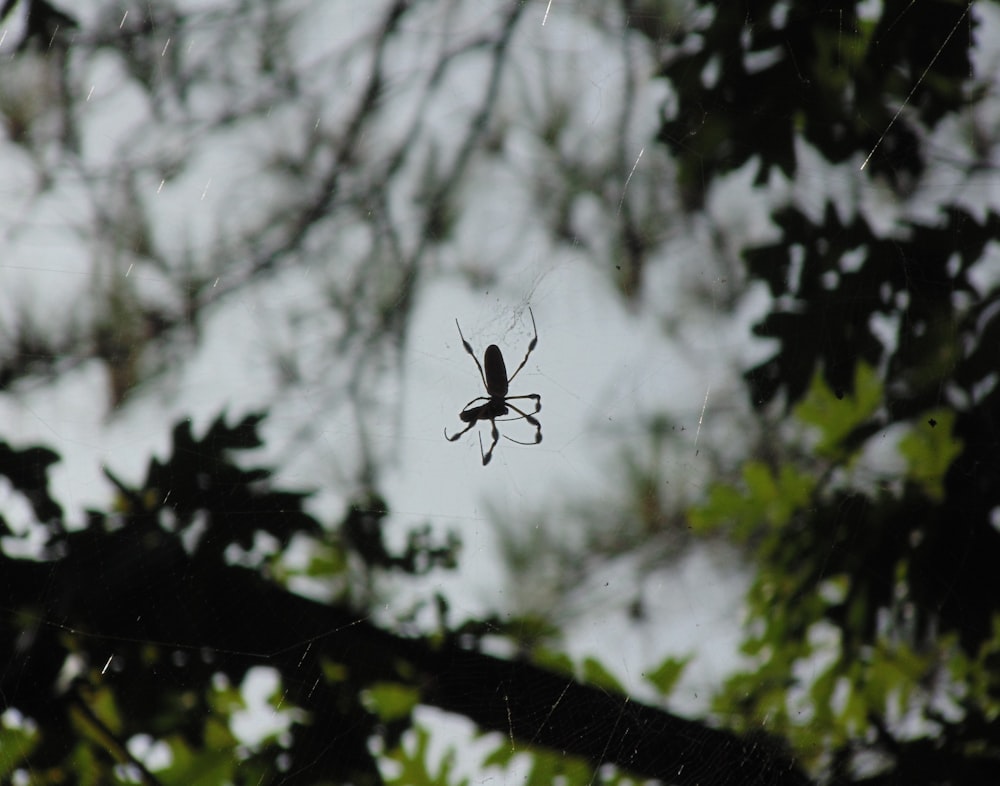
<point>548,767</point>
<point>208,768</point>
<point>596,674</point>
<point>929,448</point>
<point>218,735</point>
<point>391,700</point>
<point>27,470</point>
<point>413,769</point>
<point>15,744</point>
<point>502,755</point>
<point>665,676</point>
<point>768,500</point>
<point>553,660</point>
<point>836,417</point>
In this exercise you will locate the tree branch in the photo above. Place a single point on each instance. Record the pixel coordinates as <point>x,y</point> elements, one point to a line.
<point>167,598</point>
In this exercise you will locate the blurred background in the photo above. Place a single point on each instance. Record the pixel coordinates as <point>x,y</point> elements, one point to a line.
<point>758,243</point>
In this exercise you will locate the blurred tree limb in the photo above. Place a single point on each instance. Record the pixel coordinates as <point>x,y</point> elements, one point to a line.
<point>149,610</point>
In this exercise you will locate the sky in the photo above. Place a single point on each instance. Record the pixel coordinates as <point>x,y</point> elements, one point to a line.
<point>603,364</point>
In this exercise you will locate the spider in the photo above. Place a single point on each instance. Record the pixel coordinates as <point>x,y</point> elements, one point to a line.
<point>497,383</point>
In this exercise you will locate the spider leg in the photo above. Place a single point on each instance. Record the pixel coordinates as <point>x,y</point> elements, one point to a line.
<point>460,433</point>
<point>468,406</point>
<point>535,396</point>
<point>496,438</point>
<point>531,347</point>
<point>532,421</point>
<point>468,348</point>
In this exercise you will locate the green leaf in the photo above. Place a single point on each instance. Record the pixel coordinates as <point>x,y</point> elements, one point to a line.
<point>854,717</point>
<point>768,500</point>
<point>724,507</point>
<point>192,767</point>
<point>218,735</point>
<point>548,767</point>
<point>101,702</point>
<point>412,769</point>
<point>334,672</point>
<point>391,700</point>
<point>502,755</point>
<point>665,676</point>
<point>835,417</point>
<point>15,745</point>
<point>929,448</point>
<point>821,697</point>
<point>553,660</point>
<point>85,765</point>
<point>226,699</point>
<point>596,674</point>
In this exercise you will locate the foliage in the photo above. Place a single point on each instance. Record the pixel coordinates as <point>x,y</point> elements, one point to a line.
<point>665,676</point>
<point>143,626</point>
<point>412,767</point>
<point>757,77</point>
<point>872,617</point>
<point>848,646</point>
<point>123,628</point>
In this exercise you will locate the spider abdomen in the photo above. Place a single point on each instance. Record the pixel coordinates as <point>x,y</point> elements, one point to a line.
<point>496,372</point>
